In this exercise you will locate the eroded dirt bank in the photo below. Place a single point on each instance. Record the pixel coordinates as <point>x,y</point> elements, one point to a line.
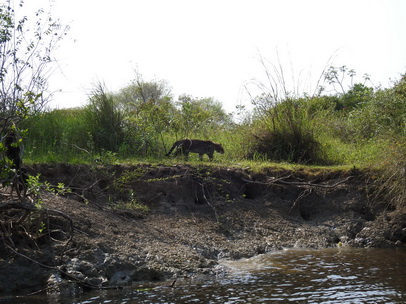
<point>146,223</point>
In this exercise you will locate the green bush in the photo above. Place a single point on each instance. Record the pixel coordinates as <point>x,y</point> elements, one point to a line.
<point>140,121</point>
<point>384,114</point>
<point>357,95</point>
<point>287,133</point>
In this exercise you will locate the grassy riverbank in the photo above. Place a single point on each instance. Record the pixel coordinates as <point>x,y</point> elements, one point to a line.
<point>362,127</point>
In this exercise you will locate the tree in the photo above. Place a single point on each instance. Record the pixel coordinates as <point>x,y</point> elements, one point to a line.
<point>337,78</point>
<point>25,65</point>
<point>199,116</point>
<point>141,92</point>
<point>148,110</point>
<point>26,48</point>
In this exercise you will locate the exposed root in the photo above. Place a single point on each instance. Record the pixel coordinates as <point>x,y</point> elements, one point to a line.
<point>297,184</point>
<point>307,186</point>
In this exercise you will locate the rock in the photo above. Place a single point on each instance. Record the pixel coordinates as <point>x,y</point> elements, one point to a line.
<point>122,278</point>
<point>58,286</point>
<point>21,275</point>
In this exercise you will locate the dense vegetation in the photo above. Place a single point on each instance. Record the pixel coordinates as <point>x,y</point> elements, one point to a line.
<point>350,124</point>
<point>361,126</point>
<point>142,120</point>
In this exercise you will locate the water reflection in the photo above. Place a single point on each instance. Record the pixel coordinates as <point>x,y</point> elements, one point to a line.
<point>329,276</point>
<point>298,276</point>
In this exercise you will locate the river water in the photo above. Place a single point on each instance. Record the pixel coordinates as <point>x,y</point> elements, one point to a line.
<point>339,275</point>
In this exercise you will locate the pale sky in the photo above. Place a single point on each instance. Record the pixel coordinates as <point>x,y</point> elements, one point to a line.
<point>211,48</point>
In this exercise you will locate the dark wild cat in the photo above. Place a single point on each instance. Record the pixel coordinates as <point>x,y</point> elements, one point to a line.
<point>186,146</point>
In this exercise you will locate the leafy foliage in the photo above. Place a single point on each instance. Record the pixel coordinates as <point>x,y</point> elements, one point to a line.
<point>140,120</point>
<point>199,117</point>
<point>360,125</point>
<point>25,61</point>
<point>26,45</point>
<point>147,108</point>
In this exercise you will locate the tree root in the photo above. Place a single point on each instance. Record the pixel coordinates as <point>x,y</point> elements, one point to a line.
<point>307,186</point>
<point>64,273</point>
<point>297,184</point>
<point>31,208</point>
<point>28,209</point>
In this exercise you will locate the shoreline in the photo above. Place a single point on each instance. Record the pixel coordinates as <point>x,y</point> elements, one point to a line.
<point>151,223</point>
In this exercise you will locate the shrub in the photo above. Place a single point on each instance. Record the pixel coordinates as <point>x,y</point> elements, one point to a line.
<point>298,147</point>
<point>286,133</point>
<point>356,96</point>
<point>384,114</point>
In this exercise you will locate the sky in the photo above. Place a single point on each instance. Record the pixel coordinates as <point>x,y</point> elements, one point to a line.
<point>212,48</point>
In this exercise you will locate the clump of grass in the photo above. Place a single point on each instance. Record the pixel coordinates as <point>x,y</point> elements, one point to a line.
<point>390,185</point>
<point>131,204</point>
<point>286,133</point>
<point>297,147</point>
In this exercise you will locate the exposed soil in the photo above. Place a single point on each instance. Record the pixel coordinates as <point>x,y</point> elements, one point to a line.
<point>155,222</point>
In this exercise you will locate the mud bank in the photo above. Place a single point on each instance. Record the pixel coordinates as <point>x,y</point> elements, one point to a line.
<point>133,224</point>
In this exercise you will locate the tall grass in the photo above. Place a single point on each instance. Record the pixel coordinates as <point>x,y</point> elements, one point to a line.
<point>390,182</point>
<point>287,133</point>
<point>59,135</point>
<point>104,121</point>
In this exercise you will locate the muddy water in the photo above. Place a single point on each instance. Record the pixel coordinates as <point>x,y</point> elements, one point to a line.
<point>296,276</point>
